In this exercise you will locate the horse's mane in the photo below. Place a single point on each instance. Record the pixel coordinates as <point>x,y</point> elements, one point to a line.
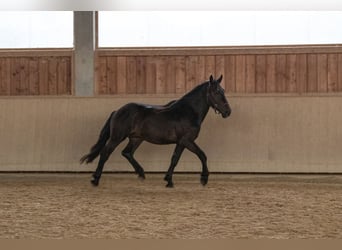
<point>189,94</point>
<point>195,90</point>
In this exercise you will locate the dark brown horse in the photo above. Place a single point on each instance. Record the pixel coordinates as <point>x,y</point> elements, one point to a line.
<point>178,122</point>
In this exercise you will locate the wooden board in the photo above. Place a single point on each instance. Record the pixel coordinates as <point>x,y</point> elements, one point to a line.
<point>161,75</point>
<point>101,76</point>
<point>121,75</point>
<point>180,74</point>
<point>52,77</point>
<point>271,80</point>
<point>250,74</point>
<point>339,72</point>
<point>291,75</point>
<point>260,80</point>
<point>220,68</point>
<point>312,85</point>
<point>34,77</point>
<point>190,67</point>
<point>332,72</point>
<point>281,73</point>
<point>131,71</point>
<point>5,76</point>
<point>302,73</point>
<point>322,72</point>
<point>240,72</point>
<point>112,75</point>
<point>229,74</point>
<point>210,67</point>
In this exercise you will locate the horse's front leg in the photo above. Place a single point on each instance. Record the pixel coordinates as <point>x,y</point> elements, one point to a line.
<point>192,146</point>
<point>174,160</point>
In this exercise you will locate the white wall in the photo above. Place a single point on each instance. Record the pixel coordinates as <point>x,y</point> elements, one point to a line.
<point>263,134</point>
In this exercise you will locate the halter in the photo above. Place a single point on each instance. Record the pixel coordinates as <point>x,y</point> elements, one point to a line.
<point>210,103</point>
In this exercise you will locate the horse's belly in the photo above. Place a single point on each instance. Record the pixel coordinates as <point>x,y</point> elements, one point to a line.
<point>160,137</point>
<point>158,134</point>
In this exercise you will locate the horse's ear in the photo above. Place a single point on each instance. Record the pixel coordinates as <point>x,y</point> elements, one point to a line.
<point>219,79</point>
<point>211,78</point>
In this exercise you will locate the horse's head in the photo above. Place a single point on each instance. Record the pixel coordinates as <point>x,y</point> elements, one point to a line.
<point>216,98</point>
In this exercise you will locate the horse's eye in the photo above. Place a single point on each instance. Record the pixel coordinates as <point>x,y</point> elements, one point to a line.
<point>220,91</point>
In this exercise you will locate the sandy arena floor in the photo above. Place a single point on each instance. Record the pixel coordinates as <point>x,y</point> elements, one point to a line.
<point>66,206</point>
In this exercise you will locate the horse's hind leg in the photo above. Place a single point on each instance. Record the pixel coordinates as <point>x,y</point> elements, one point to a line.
<point>128,152</point>
<point>104,155</point>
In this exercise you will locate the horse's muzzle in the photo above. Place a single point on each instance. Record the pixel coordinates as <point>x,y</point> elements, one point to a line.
<point>226,113</point>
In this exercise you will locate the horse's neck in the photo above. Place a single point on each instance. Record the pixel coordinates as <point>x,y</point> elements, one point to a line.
<point>198,101</point>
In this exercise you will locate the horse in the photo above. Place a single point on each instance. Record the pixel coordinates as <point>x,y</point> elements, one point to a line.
<point>178,122</point>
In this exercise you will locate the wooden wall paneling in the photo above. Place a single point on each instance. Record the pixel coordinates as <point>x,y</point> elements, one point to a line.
<point>31,72</point>
<point>332,72</point>
<point>161,75</point>
<point>43,76</point>
<point>3,85</point>
<point>171,75</point>
<point>151,75</point>
<point>291,75</point>
<point>131,74</point>
<point>101,75</point>
<point>52,79</point>
<point>190,65</point>
<point>200,70</point>
<point>69,73</point>
<point>111,72</point>
<point>141,75</point>
<point>121,74</point>
<point>5,76</point>
<point>61,76</point>
<point>271,79</point>
<point>250,74</point>
<point>210,67</point>
<point>322,72</point>
<point>24,76</point>
<point>314,69</point>
<point>302,73</point>
<point>230,74</point>
<point>260,81</point>
<point>33,76</point>
<point>281,73</point>
<point>15,76</point>
<point>339,70</point>
<point>312,85</point>
<point>240,72</point>
<point>180,74</point>
<point>220,69</point>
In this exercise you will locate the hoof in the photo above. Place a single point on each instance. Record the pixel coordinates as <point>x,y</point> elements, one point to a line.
<point>169,185</point>
<point>204,180</point>
<point>95,182</point>
<point>141,177</point>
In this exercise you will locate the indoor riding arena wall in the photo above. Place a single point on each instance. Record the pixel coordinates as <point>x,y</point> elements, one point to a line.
<point>286,108</point>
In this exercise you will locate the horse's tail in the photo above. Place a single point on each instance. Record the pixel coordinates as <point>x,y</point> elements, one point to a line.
<point>101,142</point>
